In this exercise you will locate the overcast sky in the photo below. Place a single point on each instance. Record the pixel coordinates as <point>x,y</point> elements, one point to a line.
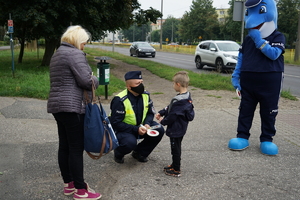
<point>177,7</point>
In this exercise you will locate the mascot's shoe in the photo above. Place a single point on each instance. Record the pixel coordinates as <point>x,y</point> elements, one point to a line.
<point>269,148</point>
<point>238,144</point>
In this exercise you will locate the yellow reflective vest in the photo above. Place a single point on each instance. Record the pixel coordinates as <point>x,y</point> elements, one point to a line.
<point>130,117</point>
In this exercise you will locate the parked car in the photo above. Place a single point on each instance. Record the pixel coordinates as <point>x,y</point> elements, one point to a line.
<point>142,49</point>
<point>174,44</point>
<point>221,54</point>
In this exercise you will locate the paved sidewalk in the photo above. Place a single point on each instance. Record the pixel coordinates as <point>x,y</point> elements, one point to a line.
<point>29,169</point>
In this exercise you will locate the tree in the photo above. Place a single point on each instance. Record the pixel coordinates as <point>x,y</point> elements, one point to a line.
<point>288,20</point>
<point>201,20</point>
<point>170,29</point>
<point>136,32</point>
<point>155,36</point>
<point>297,46</point>
<point>25,19</point>
<point>49,19</point>
<point>230,30</point>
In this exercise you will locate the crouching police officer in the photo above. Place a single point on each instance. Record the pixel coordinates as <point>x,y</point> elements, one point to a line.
<point>132,113</point>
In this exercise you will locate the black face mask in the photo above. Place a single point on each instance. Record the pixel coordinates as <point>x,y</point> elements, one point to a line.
<point>139,89</point>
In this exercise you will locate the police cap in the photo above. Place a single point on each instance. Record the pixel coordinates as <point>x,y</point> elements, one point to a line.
<point>252,3</point>
<point>133,75</point>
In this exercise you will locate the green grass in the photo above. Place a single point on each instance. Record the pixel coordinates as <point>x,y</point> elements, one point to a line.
<point>209,95</point>
<point>31,80</point>
<point>212,81</point>
<point>155,93</point>
<point>289,57</point>
<point>287,94</point>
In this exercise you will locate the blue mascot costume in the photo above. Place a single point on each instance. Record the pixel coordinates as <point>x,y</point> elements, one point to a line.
<point>259,75</point>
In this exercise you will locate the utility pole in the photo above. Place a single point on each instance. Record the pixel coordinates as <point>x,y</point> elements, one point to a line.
<point>297,50</point>
<point>243,23</point>
<point>172,33</point>
<point>161,25</point>
<point>113,43</point>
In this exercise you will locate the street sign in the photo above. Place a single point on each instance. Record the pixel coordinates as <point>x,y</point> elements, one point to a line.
<point>238,11</point>
<point>10,29</point>
<point>10,23</point>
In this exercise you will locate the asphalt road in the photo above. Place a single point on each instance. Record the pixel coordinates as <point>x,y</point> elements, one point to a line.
<point>185,61</point>
<point>291,80</point>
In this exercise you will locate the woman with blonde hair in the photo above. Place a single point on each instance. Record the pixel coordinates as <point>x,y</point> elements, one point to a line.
<point>70,75</point>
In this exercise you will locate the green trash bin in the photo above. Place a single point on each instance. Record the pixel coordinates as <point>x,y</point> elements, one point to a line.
<point>103,71</point>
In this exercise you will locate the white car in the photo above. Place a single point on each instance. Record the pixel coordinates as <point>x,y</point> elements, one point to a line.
<point>221,54</point>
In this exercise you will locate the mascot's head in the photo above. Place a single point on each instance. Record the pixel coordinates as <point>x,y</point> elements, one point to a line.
<point>261,15</point>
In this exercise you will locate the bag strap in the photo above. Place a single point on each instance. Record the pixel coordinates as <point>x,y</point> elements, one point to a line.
<point>106,132</point>
<point>86,96</point>
<point>96,157</point>
<point>110,140</point>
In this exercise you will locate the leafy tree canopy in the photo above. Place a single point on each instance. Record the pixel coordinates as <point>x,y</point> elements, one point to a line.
<point>288,19</point>
<point>170,29</point>
<point>35,19</point>
<point>136,32</point>
<point>231,30</point>
<point>201,20</point>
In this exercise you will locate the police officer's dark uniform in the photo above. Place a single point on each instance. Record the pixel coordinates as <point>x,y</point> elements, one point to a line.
<point>128,112</point>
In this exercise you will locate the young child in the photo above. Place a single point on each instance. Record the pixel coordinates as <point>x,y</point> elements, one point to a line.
<point>177,116</point>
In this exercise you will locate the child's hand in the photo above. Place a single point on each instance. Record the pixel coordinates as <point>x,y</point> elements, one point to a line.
<point>157,116</point>
<point>159,120</point>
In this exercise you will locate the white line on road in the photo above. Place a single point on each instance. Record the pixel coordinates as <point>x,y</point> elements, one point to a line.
<point>291,76</point>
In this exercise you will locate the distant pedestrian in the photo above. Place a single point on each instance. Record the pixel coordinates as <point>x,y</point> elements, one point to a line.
<point>70,75</point>
<point>177,116</point>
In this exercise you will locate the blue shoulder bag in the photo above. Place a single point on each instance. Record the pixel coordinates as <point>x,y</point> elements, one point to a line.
<point>99,137</point>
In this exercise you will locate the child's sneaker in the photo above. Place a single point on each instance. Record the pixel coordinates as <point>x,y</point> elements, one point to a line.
<point>69,188</point>
<point>168,167</point>
<point>172,172</point>
<point>83,194</point>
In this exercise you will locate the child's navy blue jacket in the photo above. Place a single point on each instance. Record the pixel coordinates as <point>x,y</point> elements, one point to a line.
<point>177,115</point>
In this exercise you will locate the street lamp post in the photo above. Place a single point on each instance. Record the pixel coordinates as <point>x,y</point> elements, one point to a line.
<point>172,33</point>
<point>161,22</point>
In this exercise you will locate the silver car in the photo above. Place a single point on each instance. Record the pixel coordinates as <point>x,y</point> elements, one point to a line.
<point>220,54</point>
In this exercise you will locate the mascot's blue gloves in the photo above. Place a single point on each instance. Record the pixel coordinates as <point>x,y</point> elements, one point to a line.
<point>271,52</point>
<point>256,37</point>
<point>235,78</point>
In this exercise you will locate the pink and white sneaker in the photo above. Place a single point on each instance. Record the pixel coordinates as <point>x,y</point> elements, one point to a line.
<point>69,188</point>
<point>84,194</point>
